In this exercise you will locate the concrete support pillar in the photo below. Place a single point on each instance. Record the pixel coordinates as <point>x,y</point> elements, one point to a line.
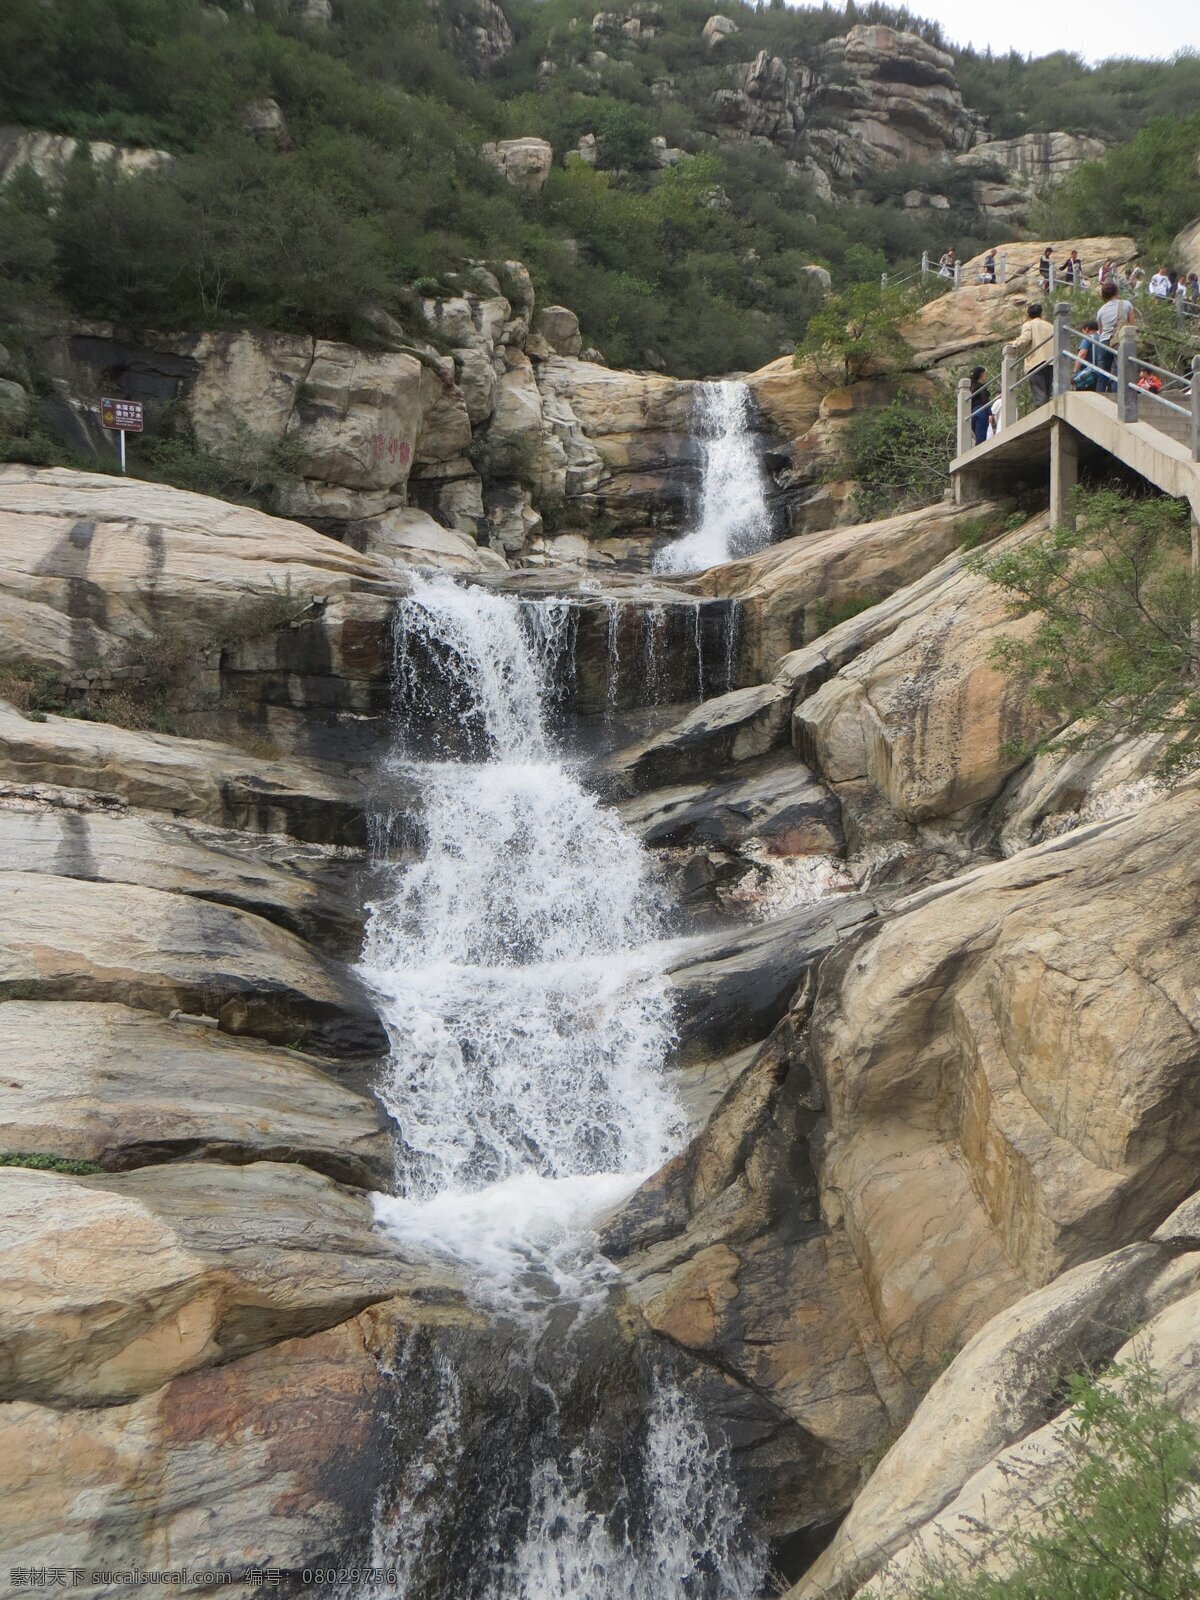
<point>1064,473</point>
<point>1064,355</point>
<point>966,488</point>
<point>1008,387</point>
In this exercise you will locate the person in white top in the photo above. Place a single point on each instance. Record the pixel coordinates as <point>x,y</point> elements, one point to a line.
<point>1113,315</point>
<point>1160,285</point>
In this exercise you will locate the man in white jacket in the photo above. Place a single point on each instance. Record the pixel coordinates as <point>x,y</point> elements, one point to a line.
<point>1160,285</point>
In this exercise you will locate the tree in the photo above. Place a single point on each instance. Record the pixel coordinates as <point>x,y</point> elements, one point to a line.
<point>1116,648</point>
<point>854,330</point>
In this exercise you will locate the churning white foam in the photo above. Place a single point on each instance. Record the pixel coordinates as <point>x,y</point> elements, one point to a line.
<point>733,510</point>
<point>520,967</point>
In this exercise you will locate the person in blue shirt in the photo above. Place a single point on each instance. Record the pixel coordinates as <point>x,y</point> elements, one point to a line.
<point>981,402</point>
<point>1090,349</point>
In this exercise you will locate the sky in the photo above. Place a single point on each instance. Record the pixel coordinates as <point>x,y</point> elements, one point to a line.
<point>1094,29</point>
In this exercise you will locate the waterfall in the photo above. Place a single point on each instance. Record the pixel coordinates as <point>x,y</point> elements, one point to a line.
<point>520,966</point>
<point>733,512</point>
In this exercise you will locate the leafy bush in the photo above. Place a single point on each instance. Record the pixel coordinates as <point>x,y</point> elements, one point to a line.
<point>1126,1523</point>
<point>899,454</point>
<point>41,1162</point>
<point>855,329</point>
<point>1116,647</point>
<point>1146,188</point>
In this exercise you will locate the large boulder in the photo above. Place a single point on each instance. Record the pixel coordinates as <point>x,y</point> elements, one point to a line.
<point>525,162</point>
<point>793,590</point>
<point>101,1082</point>
<point>925,719</point>
<point>115,1285</point>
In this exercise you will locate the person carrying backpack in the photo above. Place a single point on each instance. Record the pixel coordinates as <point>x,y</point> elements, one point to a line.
<point>1086,377</point>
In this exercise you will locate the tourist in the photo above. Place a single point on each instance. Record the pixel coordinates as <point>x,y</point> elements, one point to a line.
<point>995,416</point>
<point>1036,338</point>
<point>1133,283</point>
<point>1044,266</point>
<point>1071,270</point>
<point>1160,284</point>
<point>981,402</point>
<point>1088,359</point>
<point>988,275</point>
<point>1107,271</point>
<point>1114,314</point>
<point>1192,286</point>
<point>948,263</point>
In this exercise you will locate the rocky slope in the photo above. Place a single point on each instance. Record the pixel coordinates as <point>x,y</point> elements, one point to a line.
<point>941,1088</point>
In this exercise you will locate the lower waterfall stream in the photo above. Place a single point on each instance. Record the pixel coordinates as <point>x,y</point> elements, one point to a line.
<point>520,965</point>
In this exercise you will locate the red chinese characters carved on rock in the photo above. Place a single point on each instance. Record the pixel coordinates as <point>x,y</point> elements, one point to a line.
<point>397,451</point>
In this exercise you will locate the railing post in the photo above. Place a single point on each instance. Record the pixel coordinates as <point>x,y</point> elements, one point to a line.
<point>1002,268</point>
<point>1178,308</point>
<point>883,280</point>
<point>1062,349</point>
<point>1196,408</point>
<point>1051,278</point>
<point>1008,389</point>
<point>965,439</point>
<point>1126,392</point>
<point>958,274</point>
<point>924,262</point>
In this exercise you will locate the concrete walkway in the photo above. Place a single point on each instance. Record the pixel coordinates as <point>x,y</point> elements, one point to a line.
<point>1053,438</point>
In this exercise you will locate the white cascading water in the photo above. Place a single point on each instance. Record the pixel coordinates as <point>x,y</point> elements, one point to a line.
<point>734,520</point>
<point>520,969</point>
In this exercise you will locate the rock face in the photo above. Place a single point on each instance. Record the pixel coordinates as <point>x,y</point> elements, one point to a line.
<point>177,1010</point>
<point>766,101</point>
<point>905,104</point>
<point>792,591</point>
<point>1039,160</point>
<point>47,154</point>
<point>525,162</point>
<point>1185,250</point>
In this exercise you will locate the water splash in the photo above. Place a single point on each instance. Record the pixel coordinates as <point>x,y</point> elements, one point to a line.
<point>520,967</point>
<point>734,520</point>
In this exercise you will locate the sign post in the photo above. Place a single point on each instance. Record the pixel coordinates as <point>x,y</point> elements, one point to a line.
<point>122,416</point>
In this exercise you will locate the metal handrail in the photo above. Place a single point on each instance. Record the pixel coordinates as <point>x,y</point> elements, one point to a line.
<point>1065,362</point>
<point>1150,394</point>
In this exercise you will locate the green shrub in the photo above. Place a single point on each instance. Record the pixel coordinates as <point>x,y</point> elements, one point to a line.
<point>42,1162</point>
<point>1116,647</point>
<point>1126,1522</point>
<point>899,454</point>
<point>855,330</point>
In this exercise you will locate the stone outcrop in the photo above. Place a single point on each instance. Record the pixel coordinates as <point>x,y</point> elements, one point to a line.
<point>48,154</point>
<point>790,592</point>
<point>524,162</point>
<point>887,97</point>
<point>481,32</point>
<point>718,28</point>
<point>766,101</point>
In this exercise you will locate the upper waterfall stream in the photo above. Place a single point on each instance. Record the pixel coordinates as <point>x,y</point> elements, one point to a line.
<point>520,965</point>
<point>733,517</point>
